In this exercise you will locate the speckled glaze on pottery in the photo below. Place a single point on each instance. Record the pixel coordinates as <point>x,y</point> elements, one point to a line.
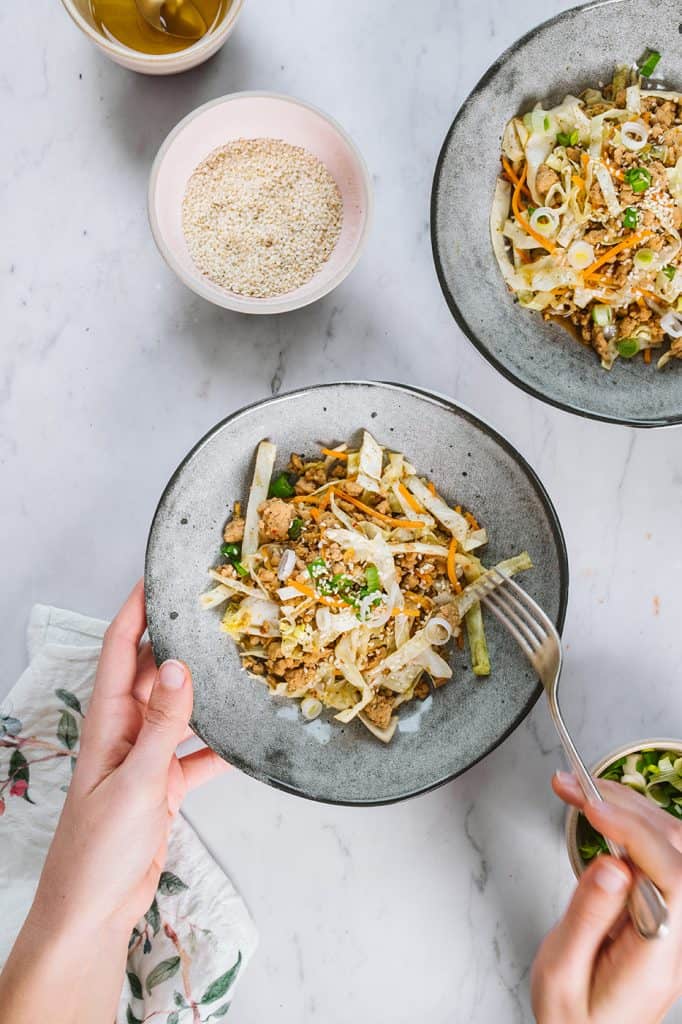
<point>565,55</point>
<point>266,736</point>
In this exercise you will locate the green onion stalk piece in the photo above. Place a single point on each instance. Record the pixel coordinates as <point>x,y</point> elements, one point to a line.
<point>372,579</point>
<point>281,487</point>
<point>638,178</point>
<point>643,258</point>
<point>630,218</point>
<point>295,528</point>
<point>650,64</point>
<point>628,347</point>
<point>231,551</point>
<point>669,272</point>
<point>602,315</point>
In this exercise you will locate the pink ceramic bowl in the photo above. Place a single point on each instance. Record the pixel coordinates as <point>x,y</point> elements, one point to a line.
<point>254,115</point>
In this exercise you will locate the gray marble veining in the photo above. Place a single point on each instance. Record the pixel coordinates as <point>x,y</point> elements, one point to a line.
<point>110,369</point>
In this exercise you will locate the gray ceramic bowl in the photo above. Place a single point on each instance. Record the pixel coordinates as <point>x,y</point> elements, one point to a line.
<point>567,54</point>
<point>266,736</point>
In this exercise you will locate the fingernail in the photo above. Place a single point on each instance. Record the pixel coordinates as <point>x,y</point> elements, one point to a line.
<point>568,781</point>
<point>172,675</point>
<point>609,878</point>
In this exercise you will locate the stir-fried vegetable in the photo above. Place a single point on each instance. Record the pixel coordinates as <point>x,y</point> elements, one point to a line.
<point>587,215</point>
<point>359,575</point>
<point>657,774</point>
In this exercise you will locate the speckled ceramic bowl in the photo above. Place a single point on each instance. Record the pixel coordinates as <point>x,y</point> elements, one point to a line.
<point>266,736</point>
<point>566,54</point>
<point>572,815</point>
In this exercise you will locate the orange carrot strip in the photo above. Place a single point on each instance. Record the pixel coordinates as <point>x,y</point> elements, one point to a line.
<point>627,243</point>
<point>513,176</point>
<point>472,521</point>
<point>309,592</point>
<point>406,524</point>
<point>411,613</point>
<point>312,499</point>
<point>543,242</point>
<point>410,498</point>
<point>452,575</point>
<point>419,599</point>
<point>647,355</point>
<point>315,514</point>
<point>577,180</point>
<point>335,455</point>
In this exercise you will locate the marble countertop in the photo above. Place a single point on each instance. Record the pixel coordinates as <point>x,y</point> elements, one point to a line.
<point>110,370</point>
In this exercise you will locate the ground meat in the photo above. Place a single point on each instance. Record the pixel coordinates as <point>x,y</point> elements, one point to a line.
<point>275,519</point>
<point>665,114</point>
<point>315,475</point>
<point>296,464</point>
<point>422,689</point>
<point>351,487</point>
<point>450,614</point>
<point>297,679</point>
<point>546,178</point>
<point>234,531</point>
<point>304,486</point>
<point>596,198</point>
<point>379,710</point>
<point>676,348</point>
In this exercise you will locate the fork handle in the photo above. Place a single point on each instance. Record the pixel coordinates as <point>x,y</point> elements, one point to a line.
<point>646,905</point>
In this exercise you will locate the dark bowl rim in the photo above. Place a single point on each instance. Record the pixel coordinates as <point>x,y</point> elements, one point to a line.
<point>507,446</point>
<point>483,349</point>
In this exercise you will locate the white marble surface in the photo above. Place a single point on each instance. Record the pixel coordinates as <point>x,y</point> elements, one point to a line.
<point>110,369</point>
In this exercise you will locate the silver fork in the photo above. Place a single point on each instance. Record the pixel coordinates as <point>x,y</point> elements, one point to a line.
<point>540,642</point>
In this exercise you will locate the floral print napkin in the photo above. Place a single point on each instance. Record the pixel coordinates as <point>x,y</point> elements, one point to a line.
<point>191,947</point>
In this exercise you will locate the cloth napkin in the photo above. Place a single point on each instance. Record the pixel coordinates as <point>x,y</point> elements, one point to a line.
<point>194,942</point>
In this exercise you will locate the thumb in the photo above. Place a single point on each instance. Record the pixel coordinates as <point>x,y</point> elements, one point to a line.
<point>165,720</point>
<point>596,906</point>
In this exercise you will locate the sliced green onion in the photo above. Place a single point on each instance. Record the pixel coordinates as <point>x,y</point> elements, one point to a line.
<point>311,708</point>
<point>372,579</point>
<point>295,528</point>
<point>546,124</point>
<point>231,551</point>
<point>628,347</point>
<point>638,178</point>
<point>241,570</point>
<point>564,139</point>
<point>602,315</point>
<point>281,487</point>
<point>669,272</point>
<point>643,258</point>
<point>630,218</point>
<point>647,69</point>
<point>317,568</point>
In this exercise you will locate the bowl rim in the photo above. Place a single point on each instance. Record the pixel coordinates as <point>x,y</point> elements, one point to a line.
<point>572,813</point>
<point>507,446</point>
<point>245,304</point>
<point>483,349</point>
<point>158,60</point>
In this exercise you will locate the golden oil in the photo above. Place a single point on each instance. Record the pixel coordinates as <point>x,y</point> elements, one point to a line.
<point>120,21</point>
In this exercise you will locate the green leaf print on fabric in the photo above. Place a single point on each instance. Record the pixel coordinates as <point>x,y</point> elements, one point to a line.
<point>135,984</point>
<point>170,884</point>
<point>70,699</point>
<point>9,726</point>
<point>130,1016</point>
<point>164,970</point>
<point>153,917</point>
<point>67,730</point>
<point>220,1012</point>
<point>220,986</point>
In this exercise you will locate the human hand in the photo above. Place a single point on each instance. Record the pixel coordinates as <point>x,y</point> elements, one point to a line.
<point>106,857</point>
<point>593,968</point>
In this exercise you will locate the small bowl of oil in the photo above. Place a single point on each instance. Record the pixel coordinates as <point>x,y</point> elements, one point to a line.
<point>118,29</point>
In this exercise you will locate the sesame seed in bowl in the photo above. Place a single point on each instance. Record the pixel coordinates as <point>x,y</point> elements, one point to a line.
<point>260,203</point>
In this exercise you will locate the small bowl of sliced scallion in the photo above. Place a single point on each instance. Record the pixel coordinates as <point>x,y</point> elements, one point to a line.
<point>651,767</point>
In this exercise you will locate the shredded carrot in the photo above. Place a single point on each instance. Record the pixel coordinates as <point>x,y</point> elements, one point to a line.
<point>406,524</point>
<point>648,294</point>
<point>411,613</point>
<point>458,509</point>
<point>431,487</point>
<point>452,575</point>
<point>627,243</point>
<point>410,498</point>
<point>349,554</point>
<point>309,592</point>
<point>325,499</point>
<point>460,641</point>
<point>335,455</point>
<point>472,521</point>
<point>313,499</point>
<point>543,242</point>
<point>513,176</point>
<point>419,599</point>
<point>315,514</point>
<point>647,355</point>
<point>577,180</point>
<point>584,160</point>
